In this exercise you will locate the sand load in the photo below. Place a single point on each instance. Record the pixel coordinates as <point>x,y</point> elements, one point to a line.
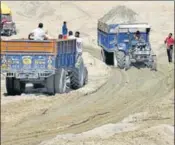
<point>119,14</point>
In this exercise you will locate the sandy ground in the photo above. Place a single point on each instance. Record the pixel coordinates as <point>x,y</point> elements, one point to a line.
<point>116,107</point>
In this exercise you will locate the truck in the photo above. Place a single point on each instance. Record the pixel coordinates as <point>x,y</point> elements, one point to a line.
<point>47,63</point>
<point>8,26</point>
<point>121,50</point>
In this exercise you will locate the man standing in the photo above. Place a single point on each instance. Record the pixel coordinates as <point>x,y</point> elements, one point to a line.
<point>79,43</point>
<point>71,36</point>
<point>38,33</point>
<point>169,41</point>
<point>64,30</point>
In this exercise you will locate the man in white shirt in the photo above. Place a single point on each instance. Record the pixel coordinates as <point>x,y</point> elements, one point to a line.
<point>71,36</point>
<point>38,33</point>
<point>79,43</point>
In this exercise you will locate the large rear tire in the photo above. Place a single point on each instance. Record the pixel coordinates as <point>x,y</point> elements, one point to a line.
<point>77,78</point>
<point>120,59</point>
<point>10,86</point>
<point>60,81</point>
<point>50,85</point>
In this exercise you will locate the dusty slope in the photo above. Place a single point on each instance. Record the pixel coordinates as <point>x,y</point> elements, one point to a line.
<point>125,93</point>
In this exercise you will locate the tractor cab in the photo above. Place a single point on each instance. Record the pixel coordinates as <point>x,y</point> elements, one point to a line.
<point>132,34</point>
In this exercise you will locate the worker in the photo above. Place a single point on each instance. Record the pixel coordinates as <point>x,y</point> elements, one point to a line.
<point>3,21</point>
<point>71,36</point>
<point>169,41</point>
<point>64,30</point>
<point>78,44</point>
<point>138,37</point>
<point>60,36</point>
<point>38,33</point>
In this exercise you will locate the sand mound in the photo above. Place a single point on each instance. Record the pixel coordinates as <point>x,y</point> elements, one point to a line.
<point>119,14</point>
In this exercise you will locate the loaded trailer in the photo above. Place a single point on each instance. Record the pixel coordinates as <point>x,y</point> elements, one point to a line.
<point>43,63</point>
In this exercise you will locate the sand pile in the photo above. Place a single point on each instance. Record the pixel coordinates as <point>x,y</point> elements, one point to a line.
<point>119,14</point>
<point>102,132</point>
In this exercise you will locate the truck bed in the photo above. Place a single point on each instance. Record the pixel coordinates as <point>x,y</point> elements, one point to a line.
<point>38,56</point>
<point>28,46</point>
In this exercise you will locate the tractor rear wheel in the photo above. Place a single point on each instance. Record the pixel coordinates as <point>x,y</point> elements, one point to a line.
<point>77,76</point>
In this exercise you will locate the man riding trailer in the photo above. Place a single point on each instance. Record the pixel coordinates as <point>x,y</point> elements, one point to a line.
<point>7,25</point>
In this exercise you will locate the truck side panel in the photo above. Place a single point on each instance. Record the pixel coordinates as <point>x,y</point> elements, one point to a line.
<point>15,61</point>
<point>66,56</point>
<point>28,46</point>
<point>24,62</point>
<point>107,41</point>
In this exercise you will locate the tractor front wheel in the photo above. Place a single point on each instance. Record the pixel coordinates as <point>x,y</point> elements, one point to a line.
<point>120,59</point>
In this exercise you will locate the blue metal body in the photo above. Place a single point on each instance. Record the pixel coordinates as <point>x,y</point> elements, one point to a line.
<point>36,65</point>
<point>110,37</point>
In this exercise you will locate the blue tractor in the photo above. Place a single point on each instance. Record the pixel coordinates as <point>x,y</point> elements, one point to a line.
<point>121,49</point>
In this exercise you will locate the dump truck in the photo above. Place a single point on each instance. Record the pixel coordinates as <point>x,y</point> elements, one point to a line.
<point>47,63</point>
<point>8,27</point>
<point>121,50</point>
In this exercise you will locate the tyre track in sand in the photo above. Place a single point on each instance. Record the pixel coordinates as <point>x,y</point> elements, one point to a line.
<point>115,97</point>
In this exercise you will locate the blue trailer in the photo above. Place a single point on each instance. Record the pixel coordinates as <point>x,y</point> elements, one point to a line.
<point>119,47</point>
<point>43,63</point>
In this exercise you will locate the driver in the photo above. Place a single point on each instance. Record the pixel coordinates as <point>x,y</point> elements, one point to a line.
<point>38,33</point>
<point>138,37</point>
